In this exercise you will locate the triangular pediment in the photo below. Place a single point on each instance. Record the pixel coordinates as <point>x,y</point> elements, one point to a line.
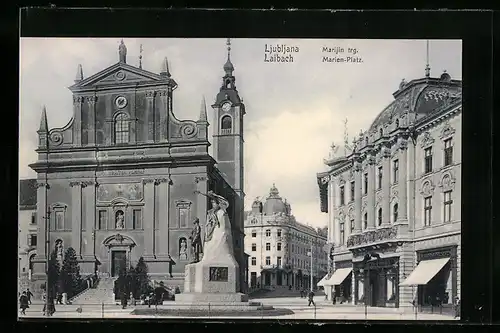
<point>116,75</point>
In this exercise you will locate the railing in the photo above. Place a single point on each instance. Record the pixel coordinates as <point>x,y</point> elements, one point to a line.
<point>288,308</point>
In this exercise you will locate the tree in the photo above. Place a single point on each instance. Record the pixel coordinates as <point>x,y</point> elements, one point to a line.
<point>141,277</point>
<point>70,273</point>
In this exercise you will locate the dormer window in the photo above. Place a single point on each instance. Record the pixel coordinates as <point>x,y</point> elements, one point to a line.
<point>122,127</point>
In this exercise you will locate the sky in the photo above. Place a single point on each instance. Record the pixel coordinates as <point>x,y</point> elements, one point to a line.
<point>295,110</point>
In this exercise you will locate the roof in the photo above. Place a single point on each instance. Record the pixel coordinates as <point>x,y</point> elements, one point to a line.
<point>27,193</point>
<point>420,97</point>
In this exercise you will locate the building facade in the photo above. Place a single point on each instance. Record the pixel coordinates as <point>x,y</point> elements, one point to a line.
<point>27,226</point>
<point>279,247</point>
<point>394,201</point>
<point>124,178</point>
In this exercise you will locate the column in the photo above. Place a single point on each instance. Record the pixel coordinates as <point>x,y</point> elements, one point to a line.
<point>402,185</point>
<point>331,209</point>
<point>91,100</point>
<point>358,183</point>
<point>370,207</point>
<point>386,187</point>
<point>411,186</point>
<point>163,115</point>
<point>77,133</point>
<point>89,194</point>
<point>163,185</point>
<point>336,217</point>
<point>149,115</point>
<point>42,223</point>
<point>76,216</point>
<point>149,198</point>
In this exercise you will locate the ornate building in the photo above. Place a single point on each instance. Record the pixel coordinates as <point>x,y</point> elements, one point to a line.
<point>279,246</point>
<point>394,201</point>
<point>27,225</point>
<point>121,179</point>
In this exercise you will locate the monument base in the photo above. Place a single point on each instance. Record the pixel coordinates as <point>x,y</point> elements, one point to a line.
<point>211,298</point>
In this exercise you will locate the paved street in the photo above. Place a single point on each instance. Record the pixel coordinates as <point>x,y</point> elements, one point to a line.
<point>324,310</point>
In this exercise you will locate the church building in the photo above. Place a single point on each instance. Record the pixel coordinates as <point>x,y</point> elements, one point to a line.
<point>125,177</point>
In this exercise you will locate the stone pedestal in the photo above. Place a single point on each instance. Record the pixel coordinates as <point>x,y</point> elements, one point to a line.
<point>211,281</point>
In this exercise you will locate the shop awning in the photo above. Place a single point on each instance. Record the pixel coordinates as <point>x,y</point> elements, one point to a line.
<point>322,281</point>
<point>424,272</point>
<point>338,277</point>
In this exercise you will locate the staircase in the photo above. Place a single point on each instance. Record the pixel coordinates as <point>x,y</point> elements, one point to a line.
<point>102,293</point>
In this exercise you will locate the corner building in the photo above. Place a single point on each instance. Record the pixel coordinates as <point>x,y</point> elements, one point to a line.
<point>278,246</point>
<point>394,201</point>
<point>119,181</point>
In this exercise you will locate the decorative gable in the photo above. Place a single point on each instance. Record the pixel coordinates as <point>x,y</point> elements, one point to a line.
<point>118,75</point>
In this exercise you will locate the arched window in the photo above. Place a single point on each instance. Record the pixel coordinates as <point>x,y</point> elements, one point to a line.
<point>32,256</point>
<point>365,221</point>
<point>122,128</point>
<point>395,212</point>
<point>228,83</point>
<point>226,124</point>
<point>380,216</point>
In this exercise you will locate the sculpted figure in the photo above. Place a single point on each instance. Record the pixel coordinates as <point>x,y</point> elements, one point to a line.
<point>183,250</point>
<point>196,242</point>
<point>119,220</point>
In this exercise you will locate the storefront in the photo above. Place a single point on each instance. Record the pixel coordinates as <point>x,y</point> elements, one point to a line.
<point>376,281</point>
<point>340,282</point>
<point>435,279</point>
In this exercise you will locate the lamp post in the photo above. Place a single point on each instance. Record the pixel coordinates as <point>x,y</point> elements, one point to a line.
<point>311,269</point>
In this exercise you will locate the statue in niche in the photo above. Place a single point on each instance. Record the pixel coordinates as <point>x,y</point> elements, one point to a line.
<point>183,249</point>
<point>120,220</point>
<point>195,238</point>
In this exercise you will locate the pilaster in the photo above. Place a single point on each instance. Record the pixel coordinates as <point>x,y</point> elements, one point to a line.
<point>406,266</point>
<point>402,182</point>
<point>89,193</point>
<point>336,217</point>
<point>371,193</point>
<point>386,187</point>
<point>91,101</point>
<point>77,110</point>
<point>163,185</point>
<point>331,211</point>
<point>357,198</point>
<point>149,114</point>
<point>163,109</point>
<point>149,213</point>
<point>411,186</point>
<point>76,216</point>
<point>201,201</point>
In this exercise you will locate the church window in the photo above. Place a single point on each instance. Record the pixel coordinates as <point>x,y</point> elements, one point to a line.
<point>183,213</point>
<point>122,128</point>
<point>103,216</point>
<point>228,83</point>
<point>137,219</point>
<point>59,220</point>
<point>226,124</point>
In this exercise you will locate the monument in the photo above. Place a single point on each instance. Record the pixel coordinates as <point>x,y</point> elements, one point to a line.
<point>214,278</point>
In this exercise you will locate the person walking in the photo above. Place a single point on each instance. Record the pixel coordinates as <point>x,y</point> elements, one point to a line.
<point>457,307</point>
<point>23,303</point>
<point>29,294</point>
<point>310,297</point>
<point>44,300</point>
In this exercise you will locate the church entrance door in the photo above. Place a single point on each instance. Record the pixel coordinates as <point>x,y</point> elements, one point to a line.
<point>118,262</point>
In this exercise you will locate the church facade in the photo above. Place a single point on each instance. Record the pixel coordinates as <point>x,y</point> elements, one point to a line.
<point>394,201</point>
<point>125,178</point>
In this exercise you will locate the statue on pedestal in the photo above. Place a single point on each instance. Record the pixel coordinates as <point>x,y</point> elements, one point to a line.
<point>119,220</point>
<point>196,243</point>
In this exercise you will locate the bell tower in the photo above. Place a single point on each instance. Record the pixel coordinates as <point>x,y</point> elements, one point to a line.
<point>228,128</point>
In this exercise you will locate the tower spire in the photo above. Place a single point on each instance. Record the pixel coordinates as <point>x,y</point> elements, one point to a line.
<point>228,66</point>
<point>427,67</point>
<point>79,73</point>
<point>43,121</point>
<point>165,68</point>
<point>140,56</point>
<point>122,52</point>
<point>203,109</point>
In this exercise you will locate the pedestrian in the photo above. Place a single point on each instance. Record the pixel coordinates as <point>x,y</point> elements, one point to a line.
<point>311,298</point>
<point>44,300</point>
<point>29,294</point>
<point>457,307</point>
<point>23,303</point>
<point>334,296</point>
<point>59,298</point>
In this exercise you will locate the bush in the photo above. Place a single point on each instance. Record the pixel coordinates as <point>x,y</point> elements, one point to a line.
<point>141,278</point>
<point>72,282</point>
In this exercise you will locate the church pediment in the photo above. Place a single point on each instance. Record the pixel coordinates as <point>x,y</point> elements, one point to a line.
<point>117,75</point>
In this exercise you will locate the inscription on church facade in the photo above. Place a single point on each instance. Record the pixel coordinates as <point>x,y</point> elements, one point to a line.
<point>108,192</point>
<point>219,274</point>
<point>112,173</point>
